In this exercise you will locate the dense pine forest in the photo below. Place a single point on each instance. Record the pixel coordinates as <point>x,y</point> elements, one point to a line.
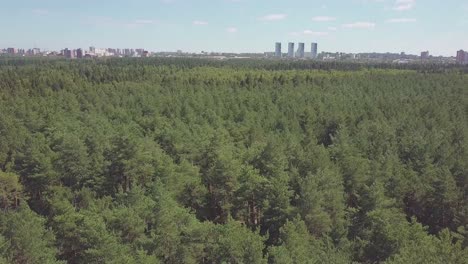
<point>241,161</point>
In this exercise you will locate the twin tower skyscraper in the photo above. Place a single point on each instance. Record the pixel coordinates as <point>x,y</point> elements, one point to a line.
<point>300,50</point>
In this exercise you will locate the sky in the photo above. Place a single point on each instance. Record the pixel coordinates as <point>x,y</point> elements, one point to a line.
<point>410,26</point>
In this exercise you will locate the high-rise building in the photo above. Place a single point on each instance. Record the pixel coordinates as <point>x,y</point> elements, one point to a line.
<point>425,55</point>
<point>33,52</point>
<point>79,53</point>
<point>278,49</point>
<point>291,49</point>
<point>314,50</point>
<point>462,57</point>
<point>300,50</point>
<point>69,54</point>
<point>139,52</point>
<point>11,51</point>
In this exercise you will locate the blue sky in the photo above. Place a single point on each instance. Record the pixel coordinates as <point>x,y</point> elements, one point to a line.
<point>237,25</point>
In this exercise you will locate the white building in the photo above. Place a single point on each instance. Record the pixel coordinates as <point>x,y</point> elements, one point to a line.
<point>278,49</point>
<point>300,50</point>
<point>291,50</point>
<point>314,50</point>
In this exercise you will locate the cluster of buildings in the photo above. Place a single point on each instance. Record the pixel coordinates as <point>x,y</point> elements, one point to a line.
<point>78,53</point>
<point>299,53</point>
<point>13,51</point>
<point>97,52</point>
<point>462,57</point>
<point>292,53</point>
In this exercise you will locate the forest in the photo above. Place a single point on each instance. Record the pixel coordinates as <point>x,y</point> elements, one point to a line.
<point>240,161</point>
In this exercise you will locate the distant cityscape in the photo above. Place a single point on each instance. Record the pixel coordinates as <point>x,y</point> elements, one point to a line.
<point>92,52</point>
<point>461,56</point>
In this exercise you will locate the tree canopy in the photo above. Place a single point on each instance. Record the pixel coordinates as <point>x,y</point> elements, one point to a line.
<point>242,161</point>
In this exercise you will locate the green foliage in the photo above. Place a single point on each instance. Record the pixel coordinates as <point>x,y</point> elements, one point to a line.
<point>321,204</point>
<point>176,236</point>
<point>25,239</point>
<point>431,249</point>
<point>297,246</point>
<point>237,161</point>
<point>233,243</point>
<point>11,191</point>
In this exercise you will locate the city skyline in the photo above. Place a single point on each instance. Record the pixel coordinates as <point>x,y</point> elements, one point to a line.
<point>238,25</point>
<point>278,52</point>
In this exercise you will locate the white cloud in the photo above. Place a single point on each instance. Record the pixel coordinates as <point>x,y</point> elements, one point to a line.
<point>111,22</point>
<point>137,23</point>
<point>323,18</point>
<point>403,5</point>
<point>332,28</point>
<point>360,25</point>
<point>315,33</point>
<point>273,17</point>
<point>231,30</point>
<point>308,32</point>
<point>199,23</point>
<point>401,20</point>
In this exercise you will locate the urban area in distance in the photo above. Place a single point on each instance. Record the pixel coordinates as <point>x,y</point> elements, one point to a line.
<point>461,56</point>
